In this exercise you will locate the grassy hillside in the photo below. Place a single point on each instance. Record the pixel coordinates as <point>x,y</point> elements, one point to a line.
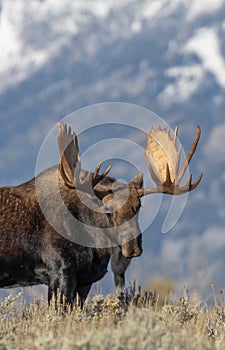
<point>137,320</point>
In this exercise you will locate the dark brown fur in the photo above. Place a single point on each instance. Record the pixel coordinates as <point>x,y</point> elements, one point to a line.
<point>32,252</point>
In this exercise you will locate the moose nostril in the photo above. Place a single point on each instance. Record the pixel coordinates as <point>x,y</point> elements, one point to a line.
<point>138,252</point>
<point>132,253</point>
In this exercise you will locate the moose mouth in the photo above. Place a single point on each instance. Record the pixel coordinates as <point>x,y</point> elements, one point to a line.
<point>131,253</point>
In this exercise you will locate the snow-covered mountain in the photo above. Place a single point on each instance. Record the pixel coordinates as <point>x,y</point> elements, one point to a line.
<point>167,56</point>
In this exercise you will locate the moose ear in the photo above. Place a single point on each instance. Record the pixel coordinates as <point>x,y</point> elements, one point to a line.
<point>137,181</point>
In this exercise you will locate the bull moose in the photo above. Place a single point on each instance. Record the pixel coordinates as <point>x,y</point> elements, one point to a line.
<point>33,251</point>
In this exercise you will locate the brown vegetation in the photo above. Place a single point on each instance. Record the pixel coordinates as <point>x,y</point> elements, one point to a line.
<point>133,321</point>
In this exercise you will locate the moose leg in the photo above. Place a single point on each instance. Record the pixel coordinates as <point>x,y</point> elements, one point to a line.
<point>119,280</point>
<point>83,293</point>
<point>52,292</point>
<point>67,286</point>
<point>64,282</point>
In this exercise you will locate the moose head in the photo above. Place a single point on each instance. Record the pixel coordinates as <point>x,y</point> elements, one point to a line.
<point>122,202</point>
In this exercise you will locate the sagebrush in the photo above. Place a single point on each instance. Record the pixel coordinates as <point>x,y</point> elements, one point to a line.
<point>134,320</point>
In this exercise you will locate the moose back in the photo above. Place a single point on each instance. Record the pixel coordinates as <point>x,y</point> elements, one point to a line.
<point>33,252</point>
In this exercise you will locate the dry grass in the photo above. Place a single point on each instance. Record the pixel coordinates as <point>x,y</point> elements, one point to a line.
<point>134,321</point>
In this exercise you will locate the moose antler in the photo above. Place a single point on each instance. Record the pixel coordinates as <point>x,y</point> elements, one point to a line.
<point>70,164</point>
<point>163,159</point>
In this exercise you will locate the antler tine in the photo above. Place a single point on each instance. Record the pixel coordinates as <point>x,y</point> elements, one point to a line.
<point>188,186</point>
<point>177,160</point>
<point>184,188</point>
<point>65,178</point>
<point>70,164</point>
<point>168,177</point>
<point>189,156</point>
<point>107,171</point>
<point>96,178</point>
<point>175,135</point>
<point>195,184</point>
<point>96,172</point>
<point>63,143</point>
